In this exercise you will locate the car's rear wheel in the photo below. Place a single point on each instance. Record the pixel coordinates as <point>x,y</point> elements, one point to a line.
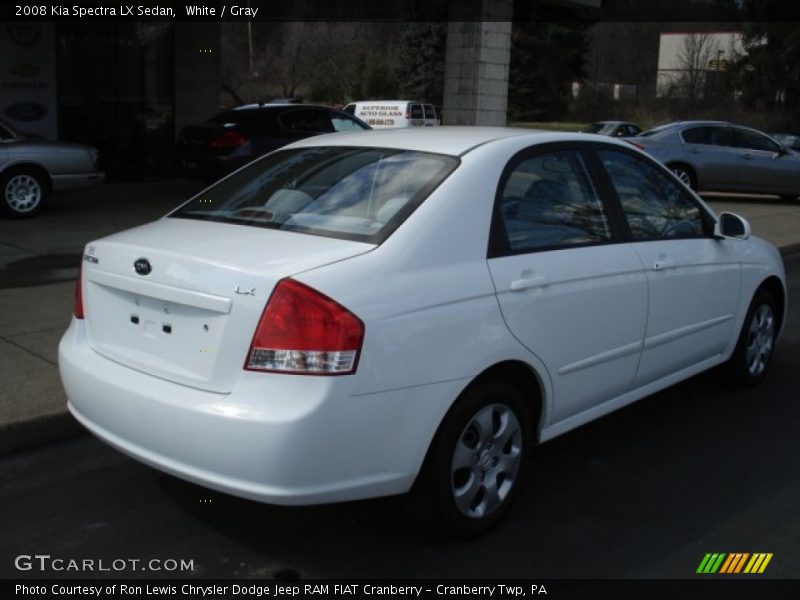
<point>477,461</point>
<point>24,192</point>
<point>685,173</point>
<point>750,360</point>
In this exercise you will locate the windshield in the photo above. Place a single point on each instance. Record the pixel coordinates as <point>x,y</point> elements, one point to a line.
<point>599,128</point>
<point>359,194</point>
<point>655,130</point>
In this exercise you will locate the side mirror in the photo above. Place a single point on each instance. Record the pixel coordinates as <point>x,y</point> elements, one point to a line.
<point>731,225</point>
<point>782,151</point>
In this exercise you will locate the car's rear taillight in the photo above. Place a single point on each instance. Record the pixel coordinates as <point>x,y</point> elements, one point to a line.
<point>229,139</point>
<point>639,146</point>
<point>78,310</point>
<point>304,332</point>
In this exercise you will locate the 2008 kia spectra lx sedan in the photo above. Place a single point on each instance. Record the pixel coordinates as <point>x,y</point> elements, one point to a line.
<point>369,314</point>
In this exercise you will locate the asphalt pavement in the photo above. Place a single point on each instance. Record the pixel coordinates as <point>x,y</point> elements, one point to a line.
<point>642,493</point>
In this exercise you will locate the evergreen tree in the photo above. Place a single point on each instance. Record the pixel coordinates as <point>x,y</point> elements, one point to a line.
<point>421,59</point>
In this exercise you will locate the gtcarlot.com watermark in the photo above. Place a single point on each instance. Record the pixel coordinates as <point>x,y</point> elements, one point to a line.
<point>45,563</point>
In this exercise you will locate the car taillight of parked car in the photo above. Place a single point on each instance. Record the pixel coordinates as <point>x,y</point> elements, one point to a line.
<point>302,331</point>
<point>635,145</point>
<point>229,139</point>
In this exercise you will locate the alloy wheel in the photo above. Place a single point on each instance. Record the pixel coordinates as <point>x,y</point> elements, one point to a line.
<point>760,339</point>
<point>23,193</point>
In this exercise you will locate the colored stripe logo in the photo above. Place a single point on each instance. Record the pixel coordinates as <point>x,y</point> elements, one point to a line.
<point>734,563</point>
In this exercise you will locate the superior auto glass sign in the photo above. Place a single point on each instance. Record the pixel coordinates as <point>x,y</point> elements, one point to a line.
<point>380,114</point>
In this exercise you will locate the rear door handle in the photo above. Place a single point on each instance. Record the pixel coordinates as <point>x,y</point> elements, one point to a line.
<point>747,156</point>
<point>523,284</point>
<point>663,264</point>
<point>693,150</point>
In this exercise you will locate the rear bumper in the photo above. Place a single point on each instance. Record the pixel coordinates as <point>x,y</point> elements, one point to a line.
<point>275,438</point>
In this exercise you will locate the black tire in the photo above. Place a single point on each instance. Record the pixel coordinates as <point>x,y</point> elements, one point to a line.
<point>685,173</point>
<point>23,193</point>
<point>494,461</point>
<point>750,360</point>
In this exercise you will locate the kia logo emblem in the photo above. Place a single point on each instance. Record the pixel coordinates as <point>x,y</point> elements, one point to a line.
<point>142,266</point>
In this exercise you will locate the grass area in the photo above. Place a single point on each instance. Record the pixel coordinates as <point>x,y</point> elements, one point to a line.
<point>549,125</point>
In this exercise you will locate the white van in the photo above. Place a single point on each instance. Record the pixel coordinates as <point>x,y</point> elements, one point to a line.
<point>380,114</point>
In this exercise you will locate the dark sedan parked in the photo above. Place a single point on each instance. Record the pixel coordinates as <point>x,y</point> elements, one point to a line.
<point>234,137</point>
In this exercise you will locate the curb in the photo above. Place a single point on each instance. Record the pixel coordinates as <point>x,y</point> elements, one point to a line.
<point>40,431</point>
<point>789,249</point>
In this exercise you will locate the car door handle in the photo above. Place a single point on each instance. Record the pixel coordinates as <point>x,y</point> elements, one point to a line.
<point>693,150</point>
<point>523,284</point>
<point>663,264</point>
<point>747,156</point>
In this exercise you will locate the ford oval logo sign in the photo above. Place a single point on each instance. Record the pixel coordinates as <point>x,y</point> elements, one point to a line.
<point>142,266</point>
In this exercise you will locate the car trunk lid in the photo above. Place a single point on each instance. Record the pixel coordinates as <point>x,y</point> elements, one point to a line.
<point>191,318</point>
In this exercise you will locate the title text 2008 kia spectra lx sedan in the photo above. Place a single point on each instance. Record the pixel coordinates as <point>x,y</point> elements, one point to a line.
<point>376,313</point>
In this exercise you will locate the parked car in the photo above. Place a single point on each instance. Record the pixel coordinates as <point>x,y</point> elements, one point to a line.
<point>32,167</point>
<point>724,157</point>
<point>232,138</point>
<point>790,140</point>
<point>613,128</point>
<point>380,114</point>
<point>311,329</point>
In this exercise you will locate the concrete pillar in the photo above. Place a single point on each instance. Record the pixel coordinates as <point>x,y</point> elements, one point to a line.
<point>476,67</point>
<point>197,72</point>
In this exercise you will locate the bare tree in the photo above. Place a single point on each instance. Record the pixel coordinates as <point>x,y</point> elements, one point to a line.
<point>697,55</point>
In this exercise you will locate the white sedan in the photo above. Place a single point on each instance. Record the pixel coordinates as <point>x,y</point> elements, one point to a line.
<point>369,314</point>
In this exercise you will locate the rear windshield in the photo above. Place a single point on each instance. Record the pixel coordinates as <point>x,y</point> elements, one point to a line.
<point>359,194</point>
<point>245,116</point>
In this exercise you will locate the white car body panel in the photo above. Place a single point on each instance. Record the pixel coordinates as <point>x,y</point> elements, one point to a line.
<point>436,312</point>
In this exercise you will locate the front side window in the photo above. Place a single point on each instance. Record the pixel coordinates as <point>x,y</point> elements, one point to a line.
<point>655,206</point>
<point>359,194</point>
<point>5,134</point>
<point>752,140</point>
<point>548,201</point>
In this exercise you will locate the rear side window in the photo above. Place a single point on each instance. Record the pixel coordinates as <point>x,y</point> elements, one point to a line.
<point>307,121</point>
<point>359,194</point>
<point>350,109</point>
<point>710,136</point>
<point>655,206</point>
<point>416,111</point>
<point>548,202</point>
